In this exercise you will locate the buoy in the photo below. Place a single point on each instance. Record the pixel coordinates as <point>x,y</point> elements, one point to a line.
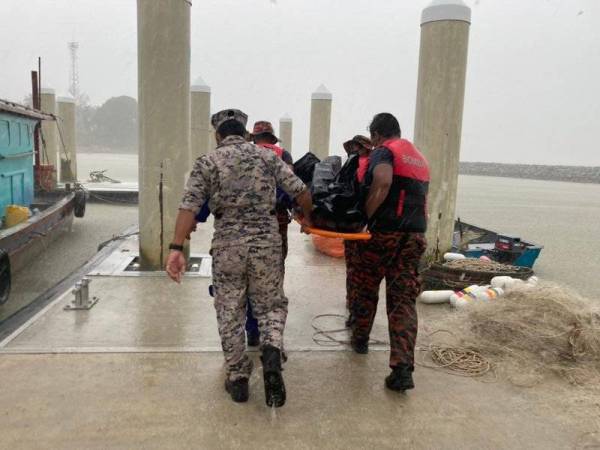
<point>434,297</point>
<point>487,294</point>
<point>474,294</point>
<point>503,282</point>
<point>464,297</point>
<point>485,258</point>
<point>454,256</point>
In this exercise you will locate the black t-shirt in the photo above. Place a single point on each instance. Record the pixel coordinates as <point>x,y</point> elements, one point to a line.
<point>380,155</point>
<point>287,158</point>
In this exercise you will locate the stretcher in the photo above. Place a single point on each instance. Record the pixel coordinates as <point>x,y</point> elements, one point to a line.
<point>334,234</point>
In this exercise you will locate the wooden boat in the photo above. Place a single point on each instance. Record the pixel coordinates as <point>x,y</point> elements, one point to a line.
<point>51,211</point>
<point>509,255</point>
<point>474,242</point>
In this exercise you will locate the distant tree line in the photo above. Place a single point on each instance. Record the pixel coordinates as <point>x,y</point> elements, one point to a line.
<point>575,174</point>
<point>112,125</point>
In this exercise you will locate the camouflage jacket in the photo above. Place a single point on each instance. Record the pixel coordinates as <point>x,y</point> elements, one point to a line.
<point>239,179</point>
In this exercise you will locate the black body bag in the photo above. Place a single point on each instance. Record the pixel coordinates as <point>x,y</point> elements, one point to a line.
<point>336,196</point>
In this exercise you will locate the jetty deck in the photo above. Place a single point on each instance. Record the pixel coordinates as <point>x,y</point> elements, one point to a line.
<point>143,369</point>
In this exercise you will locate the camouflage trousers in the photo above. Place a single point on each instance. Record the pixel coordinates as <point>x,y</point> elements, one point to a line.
<point>394,256</point>
<point>251,322</point>
<point>252,273</point>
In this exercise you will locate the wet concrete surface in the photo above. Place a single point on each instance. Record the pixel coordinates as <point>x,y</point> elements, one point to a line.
<point>69,251</point>
<point>143,369</point>
<point>336,400</point>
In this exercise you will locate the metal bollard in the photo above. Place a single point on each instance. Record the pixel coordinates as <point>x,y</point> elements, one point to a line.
<point>85,290</point>
<point>81,292</point>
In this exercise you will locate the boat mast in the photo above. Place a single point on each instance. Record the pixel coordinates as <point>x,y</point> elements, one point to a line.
<point>36,105</point>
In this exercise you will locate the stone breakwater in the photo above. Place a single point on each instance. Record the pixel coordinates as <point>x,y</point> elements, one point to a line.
<point>574,174</point>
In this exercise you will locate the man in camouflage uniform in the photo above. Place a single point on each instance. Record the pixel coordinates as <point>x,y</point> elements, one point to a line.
<point>263,135</point>
<point>240,179</point>
<point>397,181</point>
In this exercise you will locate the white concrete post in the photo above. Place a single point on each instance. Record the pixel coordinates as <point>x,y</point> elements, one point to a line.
<point>439,111</point>
<point>201,127</point>
<point>164,121</point>
<point>320,122</point>
<point>285,132</point>
<point>67,129</point>
<point>212,140</point>
<point>49,138</point>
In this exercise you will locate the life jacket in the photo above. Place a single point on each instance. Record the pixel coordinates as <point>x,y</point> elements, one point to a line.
<point>284,201</point>
<point>276,149</point>
<point>363,166</point>
<point>405,208</point>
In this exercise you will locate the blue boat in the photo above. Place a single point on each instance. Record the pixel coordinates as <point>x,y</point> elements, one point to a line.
<point>475,242</point>
<point>51,211</point>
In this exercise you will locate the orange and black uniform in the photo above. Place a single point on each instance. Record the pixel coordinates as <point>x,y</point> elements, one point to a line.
<point>394,251</point>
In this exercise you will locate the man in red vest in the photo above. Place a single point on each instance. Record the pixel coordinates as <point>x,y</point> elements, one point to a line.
<point>264,136</point>
<point>397,182</point>
<point>361,146</point>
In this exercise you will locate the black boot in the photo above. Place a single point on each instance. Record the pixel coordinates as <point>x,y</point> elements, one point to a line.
<point>349,320</point>
<point>238,389</point>
<point>274,386</point>
<point>253,338</point>
<point>401,378</point>
<point>360,345</point>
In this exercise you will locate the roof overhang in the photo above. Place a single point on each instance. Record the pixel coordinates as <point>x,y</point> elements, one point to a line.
<point>24,111</point>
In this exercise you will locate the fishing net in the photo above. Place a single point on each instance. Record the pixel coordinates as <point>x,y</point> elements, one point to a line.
<point>532,333</point>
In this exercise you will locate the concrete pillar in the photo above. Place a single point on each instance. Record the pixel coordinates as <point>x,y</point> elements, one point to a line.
<point>212,140</point>
<point>164,121</point>
<point>285,132</point>
<point>320,122</point>
<point>439,111</point>
<point>201,127</point>
<point>68,154</point>
<point>49,138</point>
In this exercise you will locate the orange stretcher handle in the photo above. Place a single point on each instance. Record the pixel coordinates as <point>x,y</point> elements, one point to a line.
<point>335,234</point>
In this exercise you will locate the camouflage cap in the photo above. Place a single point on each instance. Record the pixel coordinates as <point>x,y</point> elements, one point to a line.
<point>228,114</point>
<point>363,141</point>
<point>264,127</point>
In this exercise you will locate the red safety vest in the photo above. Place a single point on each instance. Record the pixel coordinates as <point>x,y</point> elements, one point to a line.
<point>278,150</point>
<point>405,208</point>
<point>363,166</point>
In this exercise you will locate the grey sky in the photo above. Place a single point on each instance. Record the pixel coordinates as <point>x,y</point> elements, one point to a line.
<point>533,94</point>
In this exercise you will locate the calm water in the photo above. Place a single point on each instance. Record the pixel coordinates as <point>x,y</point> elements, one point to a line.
<point>564,217</point>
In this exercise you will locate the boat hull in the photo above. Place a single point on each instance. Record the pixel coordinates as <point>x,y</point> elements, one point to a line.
<point>27,240</point>
<point>475,242</point>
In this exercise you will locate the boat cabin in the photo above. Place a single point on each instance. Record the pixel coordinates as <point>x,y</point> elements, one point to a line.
<point>17,125</point>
